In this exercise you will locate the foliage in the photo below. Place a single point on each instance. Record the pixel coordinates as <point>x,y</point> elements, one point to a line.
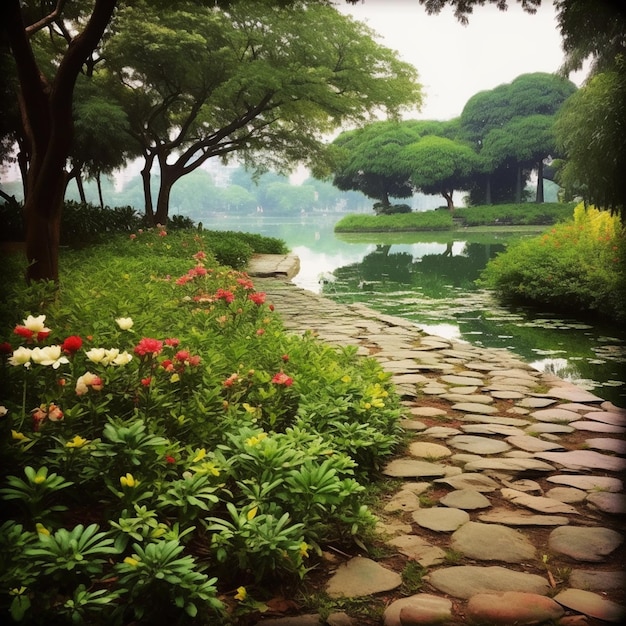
<point>164,441</point>
<point>576,265</point>
<point>515,214</point>
<point>426,220</point>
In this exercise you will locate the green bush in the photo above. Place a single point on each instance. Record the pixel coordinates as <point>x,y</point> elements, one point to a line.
<point>390,209</point>
<point>526,213</point>
<point>427,220</point>
<point>575,266</point>
<point>164,442</point>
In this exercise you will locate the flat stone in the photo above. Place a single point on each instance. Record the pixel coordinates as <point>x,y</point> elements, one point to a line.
<point>422,608</point>
<point>309,619</point>
<point>411,468</point>
<point>608,444</point>
<point>588,483</point>
<point>440,519</point>
<point>474,397</point>
<point>418,549</point>
<point>427,450</point>
<point>521,518</point>
<point>579,407</point>
<point>492,542</point>
<point>536,403</point>
<point>515,465</point>
<point>584,543</point>
<point>507,395</point>
<point>548,428</point>
<point>462,392</point>
<point>566,494</point>
<point>414,425</point>
<point>526,485</point>
<point>512,607</point>
<point>478,445</point>
<point>598,427</point>
<point>475,407</point>
<point>496,419</point>
<point>617,419</point>
<point>614,503</point>
<point>532,444</point>
<point>410,379</point>
<point>591,604</point>
<point>361,577</point>
<point>426,411</point>
<point>573,394</point>
<point>555,415</point>
<point>584,459</point>
<point>466,499</point>
<point>403,500</point>
<point>465,581</point>
<point>460,380</point>
<point>515,373</point>
<point>441,432</point>
<point>597,580</point>
<point>537,503</point>
<point>491,429</point>
<point>469,480</point>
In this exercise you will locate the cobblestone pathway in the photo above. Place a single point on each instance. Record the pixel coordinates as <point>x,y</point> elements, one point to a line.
<point>524,522</point>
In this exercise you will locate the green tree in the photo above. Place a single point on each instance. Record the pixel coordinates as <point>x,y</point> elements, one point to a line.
<point>371,160</point>
<point>440,165</point>
<point>254,80</point>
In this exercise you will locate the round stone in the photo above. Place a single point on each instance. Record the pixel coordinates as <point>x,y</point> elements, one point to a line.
<point>466,499</point>
<point>512,607</point>
<point>584,543</point>
<point>441,519</point>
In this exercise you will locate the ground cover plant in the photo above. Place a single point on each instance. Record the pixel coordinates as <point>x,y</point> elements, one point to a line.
<point>579,265</point>
<point>169,453</point>
<point>522,214</point>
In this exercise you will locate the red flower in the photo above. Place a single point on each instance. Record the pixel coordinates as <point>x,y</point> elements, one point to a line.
<point>167,365</point>
<point>260,331</point>
<point>22,331</point>
<point>182,355</point>
<point>72,344</point>
<point>230,380</point>
<point>149,347</point>
<point>169,459</point>
<point>162,233</point>
<point>246,283</point>
<point>146,381</point>
<point>43,334</point>
<point>271,307</point>
<point>224,294</point>
<point>199,256</point>
<point>282,379</point>
<point>258,298</point>
<point>6,348</point>
<point>194,361</point>
<point>172,342</point>
<point>285,357</point>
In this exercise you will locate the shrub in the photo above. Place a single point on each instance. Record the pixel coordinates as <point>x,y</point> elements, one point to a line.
<point>427,220</point>
<point>390,209</point>
<point>157,423</point>
<point>526,213</point>
<point>575,266</point>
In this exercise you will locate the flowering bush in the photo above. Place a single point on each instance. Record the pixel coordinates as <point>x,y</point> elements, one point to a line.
<point>155,426</point>
<point>577,266</point>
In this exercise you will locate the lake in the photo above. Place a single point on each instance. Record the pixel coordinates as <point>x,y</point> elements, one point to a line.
<point>428,278</point>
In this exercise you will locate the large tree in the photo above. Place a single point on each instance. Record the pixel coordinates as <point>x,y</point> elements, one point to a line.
<point>255,80</point>
<point>439,165</point>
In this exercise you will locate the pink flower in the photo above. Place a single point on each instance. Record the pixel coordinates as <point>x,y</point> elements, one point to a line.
<point>133,236</point>
<point>230,380</point>
<point>246,283</point>
<point>162,233</point>
<point>182,355</point>
<point>260,331</point>
<point>282,379</point>
<point>199,256</point>
<point>167,365</point>
<point>172,342</point>
<point>183,280</point>
<point>224,294</point>
<point>88,380</point>
<point>149,347</point>
<point>194,361</point>
<point>258,298</point>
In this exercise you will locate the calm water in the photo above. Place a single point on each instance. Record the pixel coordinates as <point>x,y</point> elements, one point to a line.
<point>429,279</point>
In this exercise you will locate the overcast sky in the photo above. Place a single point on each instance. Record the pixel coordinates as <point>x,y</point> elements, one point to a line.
<point>455,61</point>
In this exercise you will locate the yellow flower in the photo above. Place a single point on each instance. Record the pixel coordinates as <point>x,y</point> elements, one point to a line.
<point>129,560</point>
<point>255,440</point>
<point>200,454</point>
<point>128,480</point>
<point>241,594</point>
<point>252,513</point>
<point>77,442</point>
<point>41,529</point>
<point>19,436</point>
<point>304,549</point>
<point>208,467</point>
<point>174,378</point>
<point>346,379</point>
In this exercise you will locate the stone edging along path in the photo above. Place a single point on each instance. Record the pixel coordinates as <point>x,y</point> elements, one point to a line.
<point>525,519</point>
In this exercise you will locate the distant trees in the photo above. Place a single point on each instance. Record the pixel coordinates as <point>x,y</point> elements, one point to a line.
<point>501,137</point>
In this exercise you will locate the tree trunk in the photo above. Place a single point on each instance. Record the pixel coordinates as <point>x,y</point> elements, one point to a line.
<point>169,175</point>
<point>147,190</point>
<point>99,184</point>
<point>488,190</point>
<point>518,185</point>
<point>46,111</point>
<point>540,198</point>
<point>81,188</point>
<point>448,196</point>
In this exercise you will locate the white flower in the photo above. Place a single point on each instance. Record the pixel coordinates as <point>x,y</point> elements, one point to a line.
<point>125,323</point>
<point>96,355</point>
<point>3,411</point>
<point>50,355</point>
<point>36,324</point>
<point>122,358</point>
<point>21,356</point>
<point>110,355</point>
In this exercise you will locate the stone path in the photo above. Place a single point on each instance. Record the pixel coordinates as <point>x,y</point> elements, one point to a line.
<point>510,493</point>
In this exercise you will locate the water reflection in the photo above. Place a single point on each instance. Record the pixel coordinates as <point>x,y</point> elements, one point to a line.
<point>428,278</point>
